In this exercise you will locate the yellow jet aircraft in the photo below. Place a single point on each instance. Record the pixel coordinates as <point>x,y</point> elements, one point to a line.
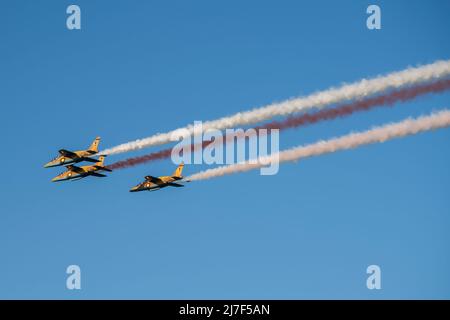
<point>67,157</point>
<point>74,172</point>
<point>156,183</point>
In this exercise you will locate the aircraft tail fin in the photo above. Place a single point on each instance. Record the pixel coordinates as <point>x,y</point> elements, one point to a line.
<point>178,171</point>
<point>100,161</point>
<point>94,146</point>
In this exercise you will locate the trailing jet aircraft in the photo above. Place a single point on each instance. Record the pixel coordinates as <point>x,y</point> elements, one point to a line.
<point>74,172</point>
<point>67,157</point>
<point>155,183</point>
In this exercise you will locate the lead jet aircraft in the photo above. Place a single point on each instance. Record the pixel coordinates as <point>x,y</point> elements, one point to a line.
<point>155,183</point>
<point>67,157</point>
<point>75,173</point>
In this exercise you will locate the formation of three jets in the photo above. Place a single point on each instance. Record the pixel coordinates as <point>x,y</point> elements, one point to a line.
<point>68,158</point>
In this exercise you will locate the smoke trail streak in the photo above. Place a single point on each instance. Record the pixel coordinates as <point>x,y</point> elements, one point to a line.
<point>346,92</point>
<point>310,118</point>
<point>380,134</point>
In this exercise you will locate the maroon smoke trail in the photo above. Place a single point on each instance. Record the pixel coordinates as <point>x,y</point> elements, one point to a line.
<point>385,100</point>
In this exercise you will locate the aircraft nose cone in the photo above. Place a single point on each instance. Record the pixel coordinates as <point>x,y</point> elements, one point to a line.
<point>134,189</point>
<point>47,165</point>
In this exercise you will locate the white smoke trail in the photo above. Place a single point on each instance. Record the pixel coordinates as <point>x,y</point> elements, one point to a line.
<point>379,134</point>
<point>346,92</point>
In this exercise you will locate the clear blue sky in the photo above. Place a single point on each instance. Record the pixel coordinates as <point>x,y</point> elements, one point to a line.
<point>141,67</point>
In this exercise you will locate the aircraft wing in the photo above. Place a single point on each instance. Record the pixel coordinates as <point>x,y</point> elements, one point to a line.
<point>95,174</point>
<point>89,159</point>
<point>103,168</point>
<point>153,179</point>
<point>67,153</point>
<point>173,184</point>
<point>74,169</point>
<point>79,178</point>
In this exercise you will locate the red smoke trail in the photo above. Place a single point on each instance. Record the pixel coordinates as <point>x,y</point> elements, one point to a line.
<point>388,99</point>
